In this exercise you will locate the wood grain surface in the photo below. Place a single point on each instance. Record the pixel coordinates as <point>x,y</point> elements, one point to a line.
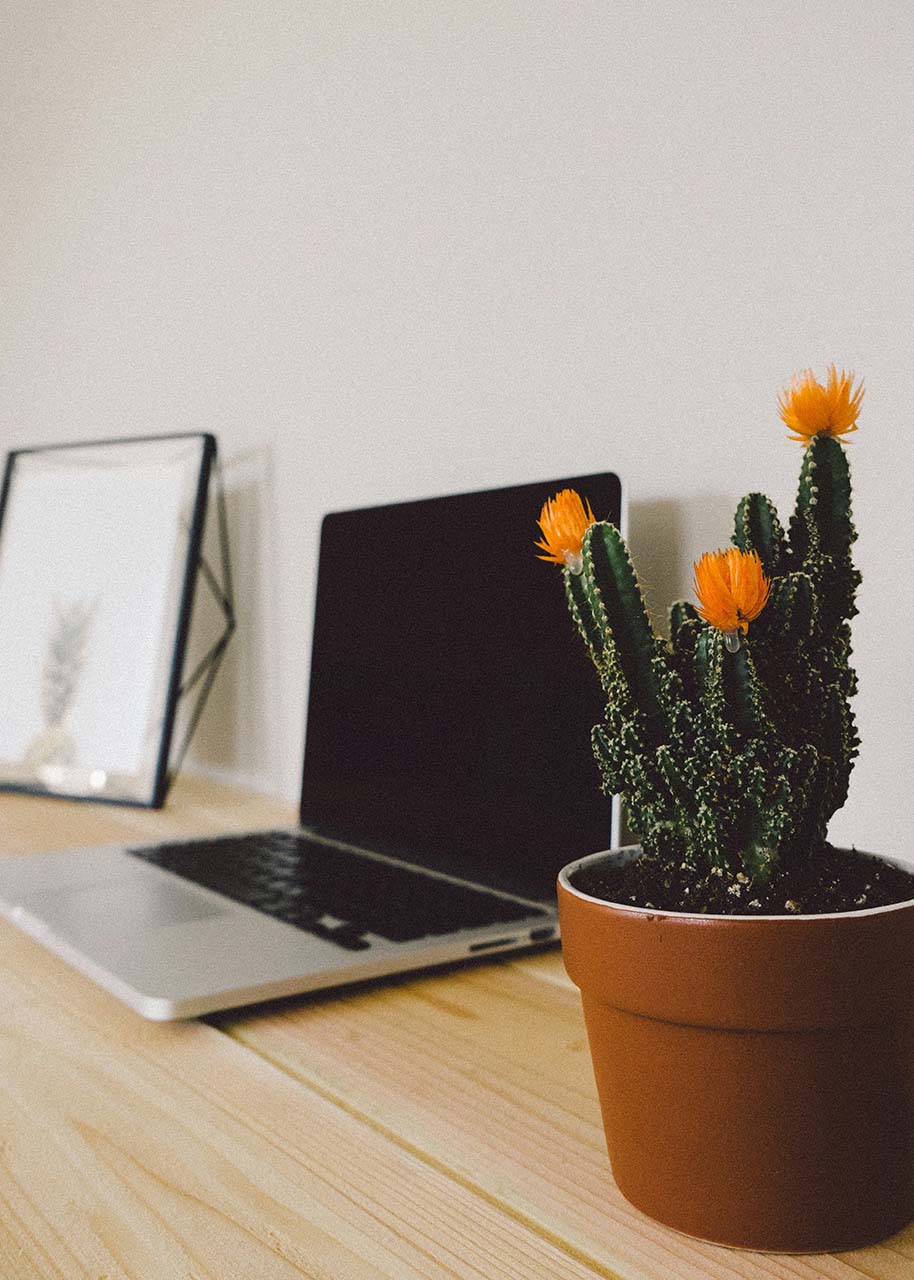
<point>444,1125</point>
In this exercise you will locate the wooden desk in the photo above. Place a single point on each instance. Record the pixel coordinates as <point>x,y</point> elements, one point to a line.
<point>439,1127</point>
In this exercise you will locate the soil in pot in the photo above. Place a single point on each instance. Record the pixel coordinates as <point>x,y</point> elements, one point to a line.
<point>834,880</point>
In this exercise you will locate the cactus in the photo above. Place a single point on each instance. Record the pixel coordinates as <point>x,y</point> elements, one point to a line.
<point>732,744</point>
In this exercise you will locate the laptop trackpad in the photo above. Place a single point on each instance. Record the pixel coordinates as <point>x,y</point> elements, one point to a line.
<point>125,905</point>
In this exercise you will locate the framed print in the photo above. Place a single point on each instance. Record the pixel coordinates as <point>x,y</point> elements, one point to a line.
<point>99,549</point>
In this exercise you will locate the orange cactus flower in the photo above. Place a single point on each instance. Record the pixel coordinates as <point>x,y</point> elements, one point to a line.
<point>731,587</point>
<point>811,410</point>
<point>564,520</point>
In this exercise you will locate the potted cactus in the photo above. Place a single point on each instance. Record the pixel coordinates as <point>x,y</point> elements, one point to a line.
<point>748,989</point>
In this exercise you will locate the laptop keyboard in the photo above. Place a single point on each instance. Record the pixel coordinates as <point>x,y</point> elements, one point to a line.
<point>332,892</point>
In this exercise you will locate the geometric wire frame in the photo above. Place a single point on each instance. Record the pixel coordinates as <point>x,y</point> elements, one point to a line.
<point>223,594</point>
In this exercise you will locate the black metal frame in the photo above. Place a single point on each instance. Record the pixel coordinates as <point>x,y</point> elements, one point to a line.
<point>195,565</point>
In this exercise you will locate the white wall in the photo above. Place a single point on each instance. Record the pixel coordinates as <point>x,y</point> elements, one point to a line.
<point>390,249</point>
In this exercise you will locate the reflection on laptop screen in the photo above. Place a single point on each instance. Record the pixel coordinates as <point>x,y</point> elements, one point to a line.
<point>451,700</point>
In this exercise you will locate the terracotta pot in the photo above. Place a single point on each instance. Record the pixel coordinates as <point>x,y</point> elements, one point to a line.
<point>755,1074</point>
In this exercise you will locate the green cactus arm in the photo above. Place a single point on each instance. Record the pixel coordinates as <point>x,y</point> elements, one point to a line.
<point>824,499</point>
<point>674,698</point>
<point>758,528</point>
<point>839,738</point>
<point>607,755</point>
<point>760,853</point>
<point>680,791</point>
<point>838,668</point>
<point>812,788</point>
<point>710,842</point>
<point>617,608</point>
<point>822,533</point>
<point>785,646</point>
<point>614,741</point>
<point>791,611</point>
<point>769,781</point>
<point>684,633</point>
<point>745,699</point>
<point>682,612</point>
<point>685,624</point>
<point>628,768</point>
<point>579,606</point>
<point>730,685</point>
<point>709,679</point>
<point>821,527</point>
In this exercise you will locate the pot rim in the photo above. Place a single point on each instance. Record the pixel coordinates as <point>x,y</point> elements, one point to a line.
<point>633,851</point>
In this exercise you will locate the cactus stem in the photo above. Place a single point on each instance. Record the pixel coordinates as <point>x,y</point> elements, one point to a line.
<point>732,745</point>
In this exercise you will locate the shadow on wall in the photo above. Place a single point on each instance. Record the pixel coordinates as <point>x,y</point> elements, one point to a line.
<point>227,741</point>
<point>666,537</point>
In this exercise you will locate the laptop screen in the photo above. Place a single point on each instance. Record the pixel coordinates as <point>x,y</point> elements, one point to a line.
<point>451,699</point>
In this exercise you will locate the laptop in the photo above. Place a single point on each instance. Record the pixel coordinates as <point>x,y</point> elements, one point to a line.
<point>447,778</point>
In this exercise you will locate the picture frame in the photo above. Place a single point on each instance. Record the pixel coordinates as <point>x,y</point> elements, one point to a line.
<point>100,545</point>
